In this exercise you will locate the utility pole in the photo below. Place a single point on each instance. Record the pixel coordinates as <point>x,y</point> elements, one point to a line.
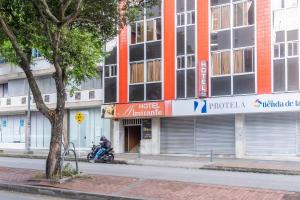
<point>28,132</point>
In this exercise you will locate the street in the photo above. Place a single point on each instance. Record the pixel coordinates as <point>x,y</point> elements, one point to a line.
<point>21,196</point>
<point>250,180</point>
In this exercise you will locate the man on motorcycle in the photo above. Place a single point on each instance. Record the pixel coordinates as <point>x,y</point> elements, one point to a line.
<point>105,144</point>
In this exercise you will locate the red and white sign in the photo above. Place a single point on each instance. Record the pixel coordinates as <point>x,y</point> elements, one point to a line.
<point>150,109</point>
<point>202,79</point>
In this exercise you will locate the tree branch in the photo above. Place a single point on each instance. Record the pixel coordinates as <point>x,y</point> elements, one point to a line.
<point>48,11</point>
<point>64,7</point>
<point>72,16</point>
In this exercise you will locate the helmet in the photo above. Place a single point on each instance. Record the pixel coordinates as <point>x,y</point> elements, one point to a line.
<point>102,138</point>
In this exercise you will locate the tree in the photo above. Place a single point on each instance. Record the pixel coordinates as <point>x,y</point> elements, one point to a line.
<point>70,34</point>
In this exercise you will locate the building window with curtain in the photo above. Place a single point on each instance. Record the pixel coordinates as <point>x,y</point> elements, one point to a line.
<point>285,39</point>
<point>145,49</point>
<point>185,50</point>
<point>232,47</point>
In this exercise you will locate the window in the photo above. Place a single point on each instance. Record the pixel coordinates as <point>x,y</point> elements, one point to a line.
<point>285,45</point>
<point>145,57</point>
<point>221,63</point>
<point>36,53</point>
<point>221,17</point>
<point>186,40</point>
<point>136,73</point>
<point>110,73</point>
<point>4,90</point>
<point>232,47</point>
<point>243,13</point>
<point>153,71</point>
<point>243,60</point>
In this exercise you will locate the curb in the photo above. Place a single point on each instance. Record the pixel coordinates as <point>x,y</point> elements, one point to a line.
<point>121,162</point>
<point>63,193</point>
<point>252,170</point>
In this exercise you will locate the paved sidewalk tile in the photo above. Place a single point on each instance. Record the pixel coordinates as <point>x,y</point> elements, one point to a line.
<point>148,189</point>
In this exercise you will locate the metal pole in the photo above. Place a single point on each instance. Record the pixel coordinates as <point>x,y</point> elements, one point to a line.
<point>28,135</point>
<point>211,156</point>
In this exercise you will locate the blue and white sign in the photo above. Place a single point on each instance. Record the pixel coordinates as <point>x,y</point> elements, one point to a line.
<point>22,123</point>
<point>239,104</point>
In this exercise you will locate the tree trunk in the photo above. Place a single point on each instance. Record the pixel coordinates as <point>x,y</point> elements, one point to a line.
<point>53,160</point>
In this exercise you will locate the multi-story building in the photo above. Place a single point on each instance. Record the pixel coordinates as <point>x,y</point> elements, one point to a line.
<point>14,109</point>
<point>195,76</point>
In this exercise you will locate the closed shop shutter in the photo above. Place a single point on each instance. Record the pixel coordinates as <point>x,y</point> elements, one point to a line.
<point>271,134</point>
<point>215,133</point>
<point>177,136</point>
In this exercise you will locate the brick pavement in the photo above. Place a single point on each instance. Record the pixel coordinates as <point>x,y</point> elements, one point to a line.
<point>149,189</point>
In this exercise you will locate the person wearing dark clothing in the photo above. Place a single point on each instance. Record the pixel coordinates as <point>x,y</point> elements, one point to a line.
<point>104,145</point>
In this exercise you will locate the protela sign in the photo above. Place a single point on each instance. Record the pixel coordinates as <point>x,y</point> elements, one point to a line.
<point>150,109</point>
<point>202,79</point>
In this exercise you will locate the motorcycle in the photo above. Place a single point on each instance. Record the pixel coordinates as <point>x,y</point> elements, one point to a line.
<point>107,156</point>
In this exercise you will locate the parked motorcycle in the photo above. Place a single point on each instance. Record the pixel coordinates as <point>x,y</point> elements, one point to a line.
<point>107,156</point>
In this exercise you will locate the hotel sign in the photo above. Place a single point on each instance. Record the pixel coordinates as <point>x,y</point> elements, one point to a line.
<point>148,109</point>
<point>202,79</point>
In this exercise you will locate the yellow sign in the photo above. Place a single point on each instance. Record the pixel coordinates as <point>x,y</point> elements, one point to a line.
<point>79,117</point>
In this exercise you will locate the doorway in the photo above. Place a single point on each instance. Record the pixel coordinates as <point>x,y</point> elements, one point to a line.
<point>132,139</point>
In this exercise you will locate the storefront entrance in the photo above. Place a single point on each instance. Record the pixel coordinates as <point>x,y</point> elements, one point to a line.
<point>132,139</point>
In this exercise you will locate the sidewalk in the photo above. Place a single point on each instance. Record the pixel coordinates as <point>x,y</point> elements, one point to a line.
<point>193,162</point>
<point>110,187</point>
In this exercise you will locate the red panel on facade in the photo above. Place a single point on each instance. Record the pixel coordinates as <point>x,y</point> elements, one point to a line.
<point>169,49</point>
<point>123,59</point>
<point>264,79</point>
<point>203,31</point>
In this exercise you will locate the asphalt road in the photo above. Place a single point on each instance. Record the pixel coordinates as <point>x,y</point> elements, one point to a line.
<point>253,180</point>
<point>20,196</point>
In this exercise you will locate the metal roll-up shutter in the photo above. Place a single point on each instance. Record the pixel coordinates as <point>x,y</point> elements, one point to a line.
<point>216,133</point>
<point>177,136</point>
<point>271,134</point>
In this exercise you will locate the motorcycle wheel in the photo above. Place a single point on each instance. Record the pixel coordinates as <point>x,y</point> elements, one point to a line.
<point>110,157</point>
<point>88,157</point>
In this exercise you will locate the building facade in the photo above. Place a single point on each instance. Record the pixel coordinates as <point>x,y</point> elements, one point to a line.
<point>14,91</point>
<point>195,76</point>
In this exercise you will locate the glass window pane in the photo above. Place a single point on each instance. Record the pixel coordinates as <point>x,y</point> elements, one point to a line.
<point>295,49</point>
<point>218,2</point>
<point>180,37</point>
<point>191,83</point>
<point>106,71</point>
<point>238,14</point>
<point>238,61</point>
<point>150,30</point>
<point>290,49</point>
<point>136,52</point>
<point>280,35</point>
<point>223,40</point>
<point>225,59</point>
<point>180,6</point>
<point>249,10</point>
<point>133,33</point>
<point>216,18</point>
<point>190,40</point>
<point>248,60</point>
<point>292,35</point>
<point>153,50</point>
<point>137,73</point>
<point>216,63</point>
<point>136,92</point>
<point>279,75</point>
<point>190,61</point>
<point>158,29</point>
<point>276,51</point>
<point>221,86</point>
<point>110,91</point>
<point>225,17</point>
<point>243,37</point>
<point>153,71</point>
<point>153,91</point>
<point>244,84</point>
<point>154,11</point>
<point>180,84</point>
<point>140,32</point>
<point>190,5</point>
<point>180,62</point>
<point>282,50</point>
<point>293,74</point>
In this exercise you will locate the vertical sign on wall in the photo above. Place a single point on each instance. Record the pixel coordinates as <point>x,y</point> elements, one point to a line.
<point>147,129</point>
<point>202,79</point>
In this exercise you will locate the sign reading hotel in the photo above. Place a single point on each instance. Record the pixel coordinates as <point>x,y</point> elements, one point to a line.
<point>241,104</point>
<point>202,79</point>
<point>150,109</point>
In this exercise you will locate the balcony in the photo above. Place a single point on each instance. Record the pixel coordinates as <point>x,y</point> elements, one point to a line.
<point>80,99</point>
